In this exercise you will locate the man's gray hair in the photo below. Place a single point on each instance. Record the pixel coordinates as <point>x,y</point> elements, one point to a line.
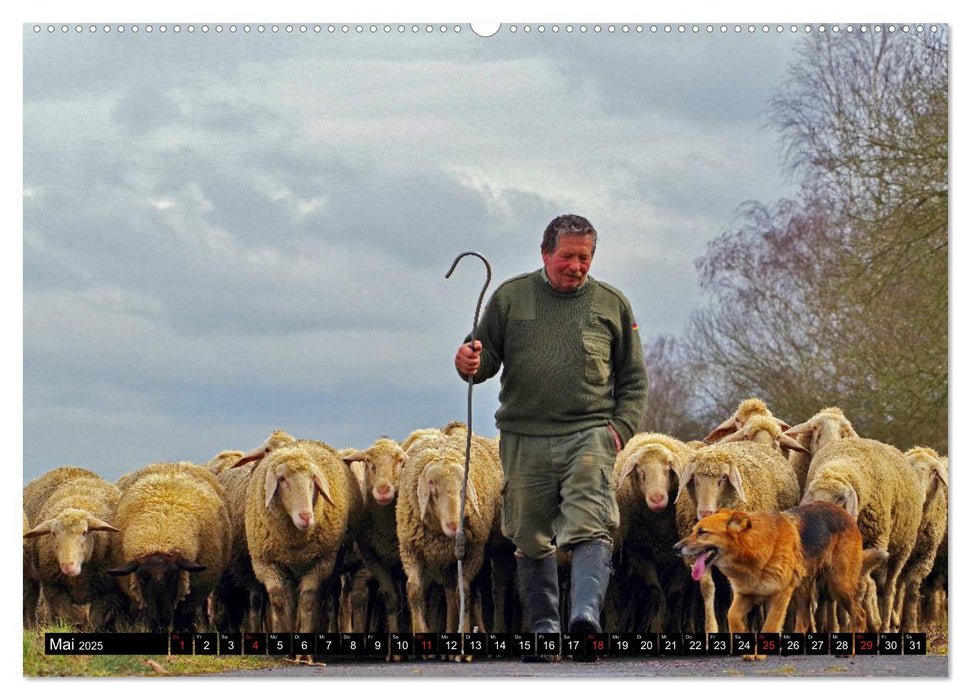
<point>567,225</point>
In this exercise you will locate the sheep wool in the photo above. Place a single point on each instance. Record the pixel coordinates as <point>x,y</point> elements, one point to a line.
<point>427,552</point>
<point>288,561</point>
<point>74,530</point>
<point>177,511</point>
<point>874,482</point>
<point>932,474</point>
<point>646,477</point>
<point>716,477</point>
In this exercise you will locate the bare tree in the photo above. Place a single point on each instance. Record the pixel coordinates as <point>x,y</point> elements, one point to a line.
<point>840,296</point>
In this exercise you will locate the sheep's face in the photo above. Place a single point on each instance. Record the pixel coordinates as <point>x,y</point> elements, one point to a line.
<point>382,473</point>
<point>440,496</point>
<point>836,492</point>
<point>72,538</point>
<point>159,582</point>
<point>294,480</point>
<point>930,472</point>
<point>653,471</point>
<point>713,486</point>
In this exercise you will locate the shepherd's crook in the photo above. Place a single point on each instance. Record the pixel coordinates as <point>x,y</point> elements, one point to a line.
<point>460,535</point>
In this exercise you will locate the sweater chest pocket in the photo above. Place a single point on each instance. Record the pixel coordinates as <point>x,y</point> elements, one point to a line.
<point>596,349</point>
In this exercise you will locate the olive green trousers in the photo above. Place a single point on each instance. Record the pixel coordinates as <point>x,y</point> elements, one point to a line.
<point>557,490</point>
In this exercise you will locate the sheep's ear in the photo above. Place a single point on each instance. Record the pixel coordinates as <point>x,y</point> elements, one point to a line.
<point>423,495</point>
<point>684,478</point>
<point>792,444</point>
<point>677,464</point>
<point>852,503</point>
<point>123,570</point>
<point>96,524</point>
<point>846,430</point>
<point>270,486</point>
<point>323,487</point>
<point>629,466</point>
<point>43,529</point>
<point>737,436</point>
<point>356,457</point>
<point>472,497</point>
<point>721,431</point>
<point>739,522</point>
<point>940,472</point>
<point>189,565</point>
<point>735,479</point>
<point>781,423</point>
<point>257,454</point>
<point>800,429</point>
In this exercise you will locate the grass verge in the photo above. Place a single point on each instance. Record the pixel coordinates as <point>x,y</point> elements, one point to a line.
<point>39,664</point>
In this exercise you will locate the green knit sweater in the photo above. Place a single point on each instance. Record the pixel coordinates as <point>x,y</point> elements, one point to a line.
<point>570,360</point>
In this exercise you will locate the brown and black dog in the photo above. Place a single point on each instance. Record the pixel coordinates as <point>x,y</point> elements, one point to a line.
<point>772,558</point>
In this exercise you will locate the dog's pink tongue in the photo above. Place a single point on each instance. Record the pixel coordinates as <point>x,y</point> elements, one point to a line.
<point>698,570</point>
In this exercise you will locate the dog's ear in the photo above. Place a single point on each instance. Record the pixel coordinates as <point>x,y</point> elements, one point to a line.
<point>739,522</point>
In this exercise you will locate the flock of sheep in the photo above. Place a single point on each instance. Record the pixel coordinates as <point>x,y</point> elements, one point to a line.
<point>296,536</point>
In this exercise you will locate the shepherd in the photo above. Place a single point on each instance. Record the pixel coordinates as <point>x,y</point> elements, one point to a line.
<point>573,388</point>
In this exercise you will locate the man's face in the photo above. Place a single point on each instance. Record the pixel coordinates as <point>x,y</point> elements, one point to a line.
<point>567,266</point>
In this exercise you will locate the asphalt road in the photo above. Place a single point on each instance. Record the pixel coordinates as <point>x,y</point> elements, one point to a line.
<point>930,666</point>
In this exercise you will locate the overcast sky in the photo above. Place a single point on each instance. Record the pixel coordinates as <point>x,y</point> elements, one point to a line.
<point>229,233</point>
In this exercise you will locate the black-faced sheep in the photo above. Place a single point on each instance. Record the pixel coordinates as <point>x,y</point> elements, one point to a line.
<point>176,541</point>
<point>932,474</point>
<point>74,546</point>
<point>875,484</point>
<point>428,513</point>
<point>646,478</point>
<point>737,475</point>
<point>302,510</point>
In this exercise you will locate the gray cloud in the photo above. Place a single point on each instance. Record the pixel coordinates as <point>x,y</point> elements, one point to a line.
<point>224,235</point>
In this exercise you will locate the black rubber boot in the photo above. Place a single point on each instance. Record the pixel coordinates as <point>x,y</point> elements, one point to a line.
<point>539,591</point>
<point>589,573</point>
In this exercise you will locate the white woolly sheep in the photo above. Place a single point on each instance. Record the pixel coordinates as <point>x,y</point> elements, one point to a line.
<point>302,509</point>
<point>932,475</point>
<point>377,544</point>
<point>646,478</point>
<point>74,546</point>
<point>874,483</point>
<point>428,513</point>
<point>828,425</point>
<point>746,409</point>
<point>37,491</point>
<point>419,434</point>
<point>737,475</point>
<point>764,430</point>
<point>176,540</point>
<point>223,461</point>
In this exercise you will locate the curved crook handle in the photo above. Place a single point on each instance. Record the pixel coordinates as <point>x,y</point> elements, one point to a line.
<point>478,306</point>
